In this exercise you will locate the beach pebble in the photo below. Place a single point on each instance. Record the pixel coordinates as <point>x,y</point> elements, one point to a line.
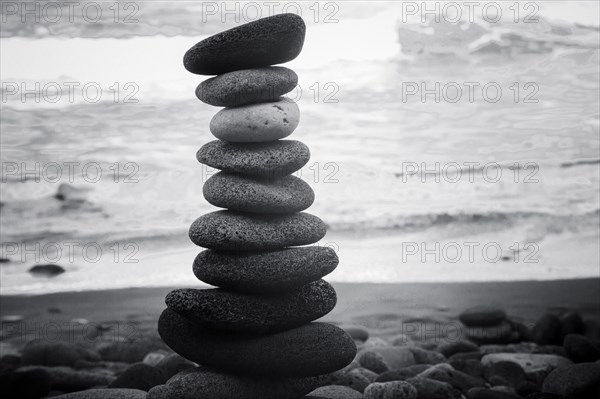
<point>48,353</point>
<point>485,393</point>
<point>247,86</point>
<point>267,41</point>
<point>139,376</point>
<point>153,358</point>
<point>402,374</point>
<point>542,395</point>
<point>24,384</point>
<point>325,348</point>
<point>477,355</point>
<point>481,316</point>
<point>267,160</point>
<point>473,367</point>
<point>433,389</point>
<point>357,378</point>
<point>227,230</point>
<point>384,358</point>
<point>105,394</point>
<point>547,330</point>
<point>505,373</point>
<point>232,311</point>
<point>128,351</point>
<point>499,333</point>
<point>391,390</point>
<point>265,271</point>
<point>445,373</point>
<point>423,356</point>
<point>529,362</point>
<point>373,342</point>
<point>334,392</point>
<point>450,348</point>
<point>581,349</point>
<point>49,270</point>
<point>578,380</point>
<point>591,329</point>
<point>571,323</point>
<point>66,379</point>
<point>286,194</point>
<point>356,332</point>
<point>255,123</point>
<point>204,383</point>
<point>173,364</point>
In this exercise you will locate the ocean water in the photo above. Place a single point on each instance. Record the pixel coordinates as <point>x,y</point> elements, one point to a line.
<point>441,151</point>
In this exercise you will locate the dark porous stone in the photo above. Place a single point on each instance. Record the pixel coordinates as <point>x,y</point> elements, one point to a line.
<point>444,372</point>
<point>234,231</point>
<point>286,194</point>
<point>392,389</point>
<point>357,333</point>
<point>495,334</point>
<point>334,392</point>
<point>505,373</point>
<point>577,381</point>
<point>267,41</point>
<point>423,356</point>
<point>383,358</point>
<point>173,364</point>
<point>310,350</point>
<point>484,393</point>
<point>547,330</point>
<point>47,353</point>
<point>27,384</point>
<point>267,160</point>
<point>450,348</point>
<point>232,311</point>
<point>49,270</point>
<point>473,367</point>
<point>571,323</point>
<point>264,271</point>
<point>204,383</point>
<point>402,373</point>
<point>105,394</point>
<point>433,389</point>
<point>139,376</point>
<point>481,316</point>
<point>247,86</point>
<point>582,349</point>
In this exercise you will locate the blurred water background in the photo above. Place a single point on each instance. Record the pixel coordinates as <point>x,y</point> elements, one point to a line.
<point>517,171</point>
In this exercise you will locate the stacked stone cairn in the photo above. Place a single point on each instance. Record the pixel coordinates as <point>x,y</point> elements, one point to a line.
<point>254,336</point>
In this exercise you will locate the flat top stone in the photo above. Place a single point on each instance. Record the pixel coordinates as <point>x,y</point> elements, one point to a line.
<point>227,310</point>
<point>481,316</point>
<point>235,231</point>
<point>311,350</point>
<point>267,41</point>
<point>264,271</point>
<point>269,159</point>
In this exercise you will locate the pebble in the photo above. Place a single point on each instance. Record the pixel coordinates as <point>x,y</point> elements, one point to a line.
<point>581,349</point>
<point>576,380</point>
<point>204,383</point>
<point>384,358</point>
<point>267,41</point>
<point>257,314</point>
<point>105,394</point>
<point>391,390</point>
<point>335,392</point>
<point>433,389</point>
<point>473,367</point>
<point>325,348</point>
<point>500,333</point>
<point>286,194</point>
<point>445,373</point>
<point>173,364</point>
<point>24,384</point>
<point>529,362</point>
<point>66,379</point>
<point>571,323</point>
<point>484,393</point>
<point>505,373</point>
<point>355,379</point>
<point>47,353</point>
<point>265,272</point>
<point>227,230</point>
<point>49,270</point>
<point>267,160</point>
<point>481,316</point>
<point>450,348</point>
<point>153,358</point>
<point>128,351</point>
<point>423,356</point>
<point>139,376</point>
<point>357,333</point>
<point>402,374</point>
<point>255,123</point>
<point>247,86</point>
<point>547,330</point>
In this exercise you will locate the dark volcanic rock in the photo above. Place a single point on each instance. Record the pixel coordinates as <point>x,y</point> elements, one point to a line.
<point>577,381</point>
<point>203,383</point>
<point>227,310</point>
<point>310,350</point>
<point>234,231</point>
<point>267,41</point>
<point>105,394</point>
<point>49,270</point>
<point>264,271</point>
<point>484,393</point>
<point>482,316</point>
<point>247,86</point>
<point>139,376</point>
<point>267,160</point>
<point>547,330</point>
<point>286,194</point>
<point>582,349</point>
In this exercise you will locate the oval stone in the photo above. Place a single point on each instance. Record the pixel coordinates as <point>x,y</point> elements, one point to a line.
<point>247,86</point>
<point>286,194</point>
<point>268,160</point>
<point>257,314</point>
<point>267,41</point>
<point>204,383</point>
<point>256,123</point>
<point>311,350</point>
<point>264,271</point>
<point>234,231</point>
